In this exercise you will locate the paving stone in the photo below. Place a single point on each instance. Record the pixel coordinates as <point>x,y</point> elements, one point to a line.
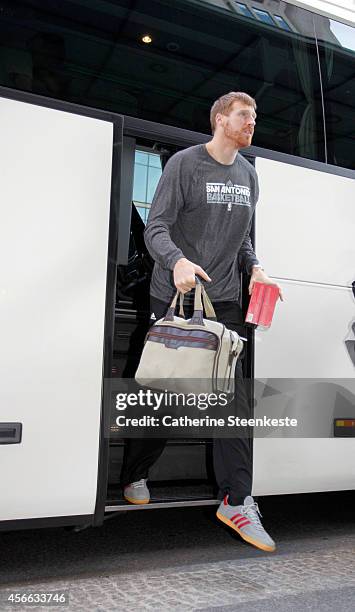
<point>206,586</point>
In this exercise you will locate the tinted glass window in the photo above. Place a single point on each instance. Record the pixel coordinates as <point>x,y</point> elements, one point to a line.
<point>243,10</point>
<point>92,52</point>
<point>282,23</point>
<point>147,172</point>
<point>336,43</point>
<point>264,16</point>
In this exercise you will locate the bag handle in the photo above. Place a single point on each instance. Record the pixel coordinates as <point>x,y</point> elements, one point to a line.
<point>201,302</point>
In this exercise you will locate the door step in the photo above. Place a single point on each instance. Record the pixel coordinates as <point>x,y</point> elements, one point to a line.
<point>154,505</point>
<point>171,495</point>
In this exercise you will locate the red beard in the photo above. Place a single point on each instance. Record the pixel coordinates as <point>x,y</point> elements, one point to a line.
<point>238,137</point>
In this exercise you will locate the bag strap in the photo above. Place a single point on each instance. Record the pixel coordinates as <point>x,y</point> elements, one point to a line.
<point>209,310</point>
<point>197,317</point>
<point>181,306</point>
<point>201,303</point>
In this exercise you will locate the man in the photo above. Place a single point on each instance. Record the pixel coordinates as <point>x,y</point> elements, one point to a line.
<point>199,224</point>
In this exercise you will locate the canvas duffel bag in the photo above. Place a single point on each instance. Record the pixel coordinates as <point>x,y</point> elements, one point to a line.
<point>196,355</point>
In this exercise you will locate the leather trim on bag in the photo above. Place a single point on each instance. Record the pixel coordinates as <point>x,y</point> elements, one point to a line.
<point>175,338</point>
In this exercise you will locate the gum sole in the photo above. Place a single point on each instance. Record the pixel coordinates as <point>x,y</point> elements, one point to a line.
<point>242,535</point>
<point>136,501</point>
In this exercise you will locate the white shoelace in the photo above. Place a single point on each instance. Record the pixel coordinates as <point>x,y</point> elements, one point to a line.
<point>252,511</point>
<point>140,483</point>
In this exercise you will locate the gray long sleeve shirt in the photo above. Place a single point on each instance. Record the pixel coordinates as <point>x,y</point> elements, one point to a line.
<point>202,210</point>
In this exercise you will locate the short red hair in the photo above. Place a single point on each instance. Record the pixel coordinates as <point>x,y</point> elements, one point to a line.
<point>224,104</point>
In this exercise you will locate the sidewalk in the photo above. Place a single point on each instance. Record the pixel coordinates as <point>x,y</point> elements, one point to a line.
<point>273,583</point>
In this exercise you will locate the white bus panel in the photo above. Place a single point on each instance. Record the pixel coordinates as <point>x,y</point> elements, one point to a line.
<point>55,199</point>
<point>305,223</point>
<point>304,232</point>
<point>307,335</point>
<point>305,465</point>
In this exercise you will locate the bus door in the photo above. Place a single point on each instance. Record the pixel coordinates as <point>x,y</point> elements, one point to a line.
<point>58,177</point>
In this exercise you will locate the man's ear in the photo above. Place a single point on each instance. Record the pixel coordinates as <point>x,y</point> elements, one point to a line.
<point>219,119</point>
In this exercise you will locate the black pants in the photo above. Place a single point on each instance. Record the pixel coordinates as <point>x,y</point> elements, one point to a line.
<point>231,456</point>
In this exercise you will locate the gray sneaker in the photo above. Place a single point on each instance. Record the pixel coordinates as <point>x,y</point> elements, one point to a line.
<point>245,521</point>
<point>137,492</point>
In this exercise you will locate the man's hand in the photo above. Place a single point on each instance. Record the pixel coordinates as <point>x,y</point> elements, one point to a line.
<point>259,276</point>
<point>184,275</point>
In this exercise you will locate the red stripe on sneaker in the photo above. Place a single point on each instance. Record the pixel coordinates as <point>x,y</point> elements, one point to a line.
<point>225,502</point>
<point>236,516</point>
<point>241,520</point>
<point>242,523</point>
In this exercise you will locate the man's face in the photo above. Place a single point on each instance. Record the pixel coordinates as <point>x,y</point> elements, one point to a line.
<point>239,125</point>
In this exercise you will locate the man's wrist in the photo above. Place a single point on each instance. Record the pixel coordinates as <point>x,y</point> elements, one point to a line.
<point>181,260</point>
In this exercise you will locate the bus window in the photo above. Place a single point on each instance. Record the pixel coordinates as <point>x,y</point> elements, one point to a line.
<point>147,172</point>
<point>337,53</point>
<point>198,51</point>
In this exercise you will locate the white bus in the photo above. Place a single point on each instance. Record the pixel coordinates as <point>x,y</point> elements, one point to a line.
<point>75,188</point>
